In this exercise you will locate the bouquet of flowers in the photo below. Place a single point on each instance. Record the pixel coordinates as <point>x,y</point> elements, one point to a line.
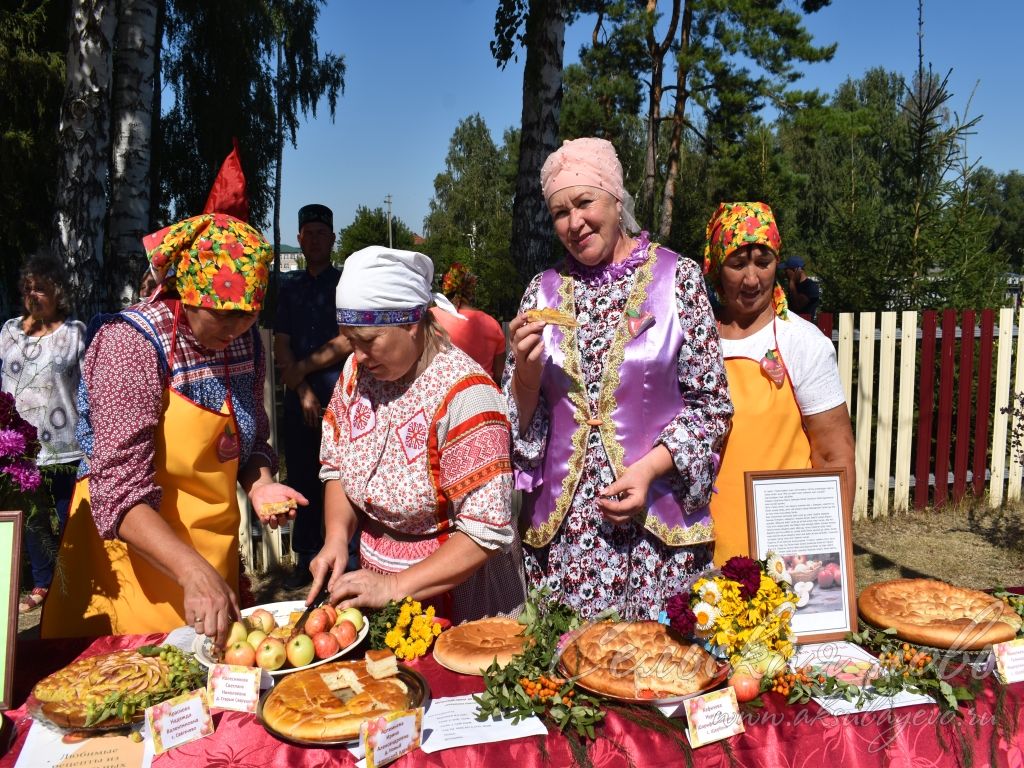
<point>745,608</point>
<point>405,628</point>
<point>20,478</point>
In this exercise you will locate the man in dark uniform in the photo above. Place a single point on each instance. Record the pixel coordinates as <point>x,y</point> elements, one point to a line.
<point>309,354</point>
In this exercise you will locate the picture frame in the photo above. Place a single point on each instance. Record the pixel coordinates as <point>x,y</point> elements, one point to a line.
<point>800,515</point>
<point>10,571</point>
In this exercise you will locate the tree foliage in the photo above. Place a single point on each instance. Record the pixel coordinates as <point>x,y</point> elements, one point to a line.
<point>370,227</point>
<point>470,218</point>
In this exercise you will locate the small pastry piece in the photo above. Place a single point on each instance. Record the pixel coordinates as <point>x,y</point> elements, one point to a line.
<point>273,508</point>
<point>551,315</point>
<point>381,664</point>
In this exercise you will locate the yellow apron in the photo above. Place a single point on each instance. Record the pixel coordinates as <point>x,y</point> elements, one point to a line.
<point>103,587</point>
<point>767,433</point>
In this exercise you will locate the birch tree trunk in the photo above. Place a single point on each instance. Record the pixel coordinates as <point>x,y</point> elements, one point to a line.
<point>136,62</point>
<point>84,146</point>
<point>542,100</point>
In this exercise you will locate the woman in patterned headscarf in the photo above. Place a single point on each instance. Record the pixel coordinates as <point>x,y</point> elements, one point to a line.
<point>790,405</point>
<point>172,418</point>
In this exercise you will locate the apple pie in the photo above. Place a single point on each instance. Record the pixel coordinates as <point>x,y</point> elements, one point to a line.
<point>941,615</point>
<point>551,315</point>
<point>68,697</point>
<point>638,660</point>
<point>470,648</point>
<point>330,702</point>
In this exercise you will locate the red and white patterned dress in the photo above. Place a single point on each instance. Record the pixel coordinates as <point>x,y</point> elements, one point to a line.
<point>422,460</point>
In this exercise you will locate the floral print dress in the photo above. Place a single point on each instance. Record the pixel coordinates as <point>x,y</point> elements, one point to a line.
<point>591,564</point>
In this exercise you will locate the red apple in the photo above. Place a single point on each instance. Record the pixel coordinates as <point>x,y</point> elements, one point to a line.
<point>825,578</point>
<point>326,644</point>
<point>345,632</point>
<point>241,654</point>
<point>747,687</point>
<point>332,614</point>
<point>317,622</point>
<point>263,619</point>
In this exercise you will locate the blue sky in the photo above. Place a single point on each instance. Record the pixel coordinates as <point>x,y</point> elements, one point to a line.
<point>416,68</point>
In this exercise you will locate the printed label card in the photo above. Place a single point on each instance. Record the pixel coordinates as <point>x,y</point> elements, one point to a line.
<point>712,717</point>
<point>390,736</point>
<point>179,720</point>
<point>1009,661</point>
<point>235,688</point>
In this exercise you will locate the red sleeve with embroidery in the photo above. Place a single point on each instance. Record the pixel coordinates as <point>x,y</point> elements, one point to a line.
<point>123,378</point>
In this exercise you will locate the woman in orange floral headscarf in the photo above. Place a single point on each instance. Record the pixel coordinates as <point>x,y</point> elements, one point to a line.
<point>476,333</point>
<point>172,421</point>
<point>783,379</point>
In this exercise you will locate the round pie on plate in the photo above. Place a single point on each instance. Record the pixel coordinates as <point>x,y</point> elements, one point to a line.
<point>330,702</point>
<point>470,648</point>
<point>934,613</point>
<point>638,660</point>
<point>69,696</point>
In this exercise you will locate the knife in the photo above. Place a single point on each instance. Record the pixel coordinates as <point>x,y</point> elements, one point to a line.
<point>317,602</point>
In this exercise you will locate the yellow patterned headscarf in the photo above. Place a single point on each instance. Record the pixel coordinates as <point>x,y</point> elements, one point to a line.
<point>215,260</point>
<point>734,226</point>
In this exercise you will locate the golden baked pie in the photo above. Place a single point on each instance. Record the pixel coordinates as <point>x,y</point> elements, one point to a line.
<point>938,614</point>
<point>638,660</point>
<point>69,696</point>
<point>470,648</point>
<point>323,704</point>
<point>551,315</point>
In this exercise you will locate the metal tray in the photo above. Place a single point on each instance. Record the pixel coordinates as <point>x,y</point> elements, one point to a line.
<point>419,696</point>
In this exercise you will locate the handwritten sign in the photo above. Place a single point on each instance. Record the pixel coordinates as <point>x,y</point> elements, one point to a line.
<point>390,736</point>
<point>712,717</point>
<point>235,688</point>
<point>180,720</point>
<point>1010,661</point>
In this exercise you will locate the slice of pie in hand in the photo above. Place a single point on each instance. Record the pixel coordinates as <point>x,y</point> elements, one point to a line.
<point>551,315</point>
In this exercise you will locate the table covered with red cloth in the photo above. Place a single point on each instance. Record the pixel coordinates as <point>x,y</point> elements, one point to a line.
<point>990,731</point>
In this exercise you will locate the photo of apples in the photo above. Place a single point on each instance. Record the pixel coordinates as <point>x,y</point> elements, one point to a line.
<point>264,637</point>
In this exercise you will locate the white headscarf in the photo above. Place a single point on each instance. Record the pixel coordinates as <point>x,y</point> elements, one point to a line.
<point>386,286</point>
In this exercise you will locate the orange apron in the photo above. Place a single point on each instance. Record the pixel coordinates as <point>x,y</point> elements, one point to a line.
<point>767,433</point>
<point>104,587</point>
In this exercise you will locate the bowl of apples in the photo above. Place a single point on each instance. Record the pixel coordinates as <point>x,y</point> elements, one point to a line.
<point>263,638</point>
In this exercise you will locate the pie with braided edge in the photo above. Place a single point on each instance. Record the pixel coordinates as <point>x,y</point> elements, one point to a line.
<point>66,697</point>
<point>470,648</point>
<point>322,704</point>
<point>638,660</point>
<point>941,615</point>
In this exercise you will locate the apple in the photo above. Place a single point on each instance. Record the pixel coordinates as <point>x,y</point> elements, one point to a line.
<point>332,614</point>
<point>317,622</point>
<point>300,650</point>
<point>241,654</point>
<point>345,633</point>
<point>238,633</point>
<point>256,638</point>
<point>350,614</point>
<point>770,664</point>
<point>747,687</point>
<point>825,578</point>
<point>325,644</point>
<point>272,654</point>
<point>263,619</point>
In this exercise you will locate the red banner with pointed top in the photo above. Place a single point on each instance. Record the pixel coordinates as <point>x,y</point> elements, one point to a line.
<point>227,195</point>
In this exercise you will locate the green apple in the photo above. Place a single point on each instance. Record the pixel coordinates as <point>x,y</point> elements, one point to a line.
<point>350,614</point>
<point>256,638</point>
<point>239,633</point>
<point>301,650</point>
<point>271,654</point>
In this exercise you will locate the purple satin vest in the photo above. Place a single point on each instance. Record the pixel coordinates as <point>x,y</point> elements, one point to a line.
<point>639,395</point>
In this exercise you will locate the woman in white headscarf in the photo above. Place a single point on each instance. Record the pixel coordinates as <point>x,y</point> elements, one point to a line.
<point>416,450</point>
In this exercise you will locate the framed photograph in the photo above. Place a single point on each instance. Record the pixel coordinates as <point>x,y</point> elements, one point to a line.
<point>10,569</point>
<point>798,514</point>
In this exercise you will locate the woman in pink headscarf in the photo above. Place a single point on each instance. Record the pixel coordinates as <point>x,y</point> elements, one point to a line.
<point>616,421</point>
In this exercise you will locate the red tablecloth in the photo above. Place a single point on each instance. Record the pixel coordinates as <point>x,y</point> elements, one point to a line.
<point>775,735</point>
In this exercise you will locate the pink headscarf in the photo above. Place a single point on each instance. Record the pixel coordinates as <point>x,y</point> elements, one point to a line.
<point>588,162</point>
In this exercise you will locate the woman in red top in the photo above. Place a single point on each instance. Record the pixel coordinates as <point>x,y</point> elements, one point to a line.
<point>480,336</point>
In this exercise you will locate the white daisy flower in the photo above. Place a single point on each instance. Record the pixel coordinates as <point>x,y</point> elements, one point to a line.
<point>710,593</point>
<point>705,615</point>
<point>776,567</point>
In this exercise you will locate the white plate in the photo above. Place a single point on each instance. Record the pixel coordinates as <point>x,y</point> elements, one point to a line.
<point>282,611</point>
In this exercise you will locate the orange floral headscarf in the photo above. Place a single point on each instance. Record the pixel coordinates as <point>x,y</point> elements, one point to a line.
<point>734,226</point>
<point>215,260</point>
<point>459,284</point>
